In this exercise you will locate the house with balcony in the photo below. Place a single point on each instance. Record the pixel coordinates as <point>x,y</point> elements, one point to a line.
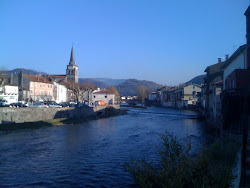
<point>211,89</point>
<point>186,96</point>
<point>236,74</point>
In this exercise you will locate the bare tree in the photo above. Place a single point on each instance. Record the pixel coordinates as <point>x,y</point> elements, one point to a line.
<point>113,89</point>
<point>79,90</point>
<point>3,75</point>
<point>89,88</point>
<point>142,93</point>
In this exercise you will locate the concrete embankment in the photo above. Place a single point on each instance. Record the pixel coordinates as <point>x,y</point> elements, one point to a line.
<point>23,115</point>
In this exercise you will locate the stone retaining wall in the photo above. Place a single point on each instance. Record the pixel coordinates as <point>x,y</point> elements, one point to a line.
<point>21,115</point>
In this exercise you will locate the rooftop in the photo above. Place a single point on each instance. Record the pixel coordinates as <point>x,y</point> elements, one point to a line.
<point>35,78</point>
<point>103,92</point>
<point>234,55</point>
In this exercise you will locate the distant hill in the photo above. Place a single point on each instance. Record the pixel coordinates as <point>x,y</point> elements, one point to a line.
<point>95,82</point>
<point>128,88</point>
<point>196,80</point>
<point>110,81</point>
<point>25,71</point>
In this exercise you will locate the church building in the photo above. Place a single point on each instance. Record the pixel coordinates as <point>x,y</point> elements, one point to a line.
<point>72,69</point>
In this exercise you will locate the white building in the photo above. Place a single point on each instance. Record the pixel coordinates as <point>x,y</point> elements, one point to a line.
<point>60,92</point>
<point>9,93</point>
<point>102,98</point>
<point>237,61</point>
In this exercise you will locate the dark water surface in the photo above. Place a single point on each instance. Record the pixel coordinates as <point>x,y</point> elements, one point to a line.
<point>91,154</point>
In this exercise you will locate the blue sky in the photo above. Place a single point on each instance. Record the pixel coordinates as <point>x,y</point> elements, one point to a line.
<point>166,41</point>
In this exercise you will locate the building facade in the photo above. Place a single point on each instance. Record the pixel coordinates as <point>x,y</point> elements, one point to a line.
<point>102,98</point>
<point>33,88</point>
<point>9,93</point>
<point>60,92</point>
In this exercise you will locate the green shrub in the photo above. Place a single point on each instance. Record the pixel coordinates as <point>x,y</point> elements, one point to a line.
<point>177,168</point>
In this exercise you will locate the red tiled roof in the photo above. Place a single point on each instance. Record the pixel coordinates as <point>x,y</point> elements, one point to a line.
<point>35,78</point>
<point>58,76</point>
<point>103,92</point>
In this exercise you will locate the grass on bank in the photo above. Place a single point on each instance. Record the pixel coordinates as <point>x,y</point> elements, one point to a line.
<point>212,167</point>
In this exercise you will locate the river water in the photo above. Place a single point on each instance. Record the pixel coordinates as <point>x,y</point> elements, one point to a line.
<point>91,154</point>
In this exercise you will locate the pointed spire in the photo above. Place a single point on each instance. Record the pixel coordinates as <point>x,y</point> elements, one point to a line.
<point>72,57</point>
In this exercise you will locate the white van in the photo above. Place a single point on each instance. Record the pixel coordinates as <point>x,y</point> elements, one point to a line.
<point>4,103</point>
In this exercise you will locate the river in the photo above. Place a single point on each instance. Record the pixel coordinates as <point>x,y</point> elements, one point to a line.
<point>93,153</point>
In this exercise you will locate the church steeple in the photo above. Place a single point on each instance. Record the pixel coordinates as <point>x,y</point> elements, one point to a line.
<point>72,57</point>
<point>72,69</point>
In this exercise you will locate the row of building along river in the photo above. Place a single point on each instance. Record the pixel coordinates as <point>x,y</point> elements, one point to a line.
<point>93,153</point>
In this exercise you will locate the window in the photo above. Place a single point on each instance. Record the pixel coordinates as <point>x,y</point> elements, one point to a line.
<point>41,85</point>
<point>48,85</point>
<point>35,84</point>
<point>43,92</point>
<point>31,84</point>
<point>31,91</point>
<point>35,91</point>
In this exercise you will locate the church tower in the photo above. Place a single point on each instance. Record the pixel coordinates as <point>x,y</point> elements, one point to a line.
<point>72,69</point>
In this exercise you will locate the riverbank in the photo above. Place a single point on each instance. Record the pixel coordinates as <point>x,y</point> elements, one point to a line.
<point>23,115</point>
<point>104,113</point>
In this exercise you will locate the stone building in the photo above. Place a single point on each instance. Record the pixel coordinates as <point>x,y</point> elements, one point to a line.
<point>102,98</point>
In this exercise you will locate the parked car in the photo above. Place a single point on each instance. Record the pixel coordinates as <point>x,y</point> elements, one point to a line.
<point>21,104</point>
<point>55,105</point>
<point>14,105</point>
<point>39,105</point>
<point>64,104</point>
<point>42,105</point>
<point>4,103</point>
<point>27,104</point>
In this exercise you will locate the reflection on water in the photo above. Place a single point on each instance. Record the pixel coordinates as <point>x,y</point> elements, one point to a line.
<point>91,154</point>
